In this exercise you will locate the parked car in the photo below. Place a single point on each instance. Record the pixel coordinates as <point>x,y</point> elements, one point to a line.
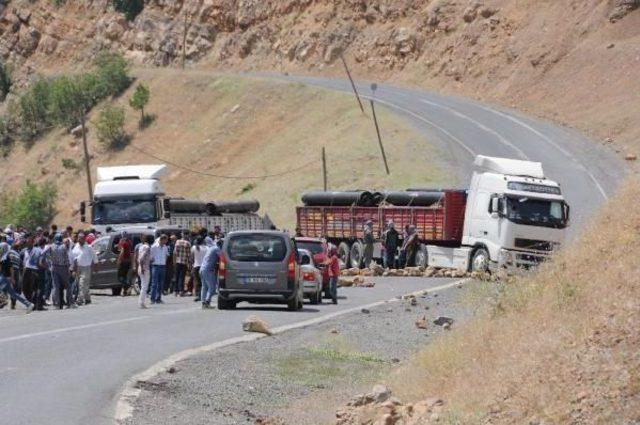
<point>105,275</point>
<point>311,277</point>
<point>261,267</point>
<point>320,250</point>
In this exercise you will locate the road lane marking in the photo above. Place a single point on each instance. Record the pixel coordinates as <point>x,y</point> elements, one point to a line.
<point>131,390</point>
<point>426,121</point>
<point>478,124</point>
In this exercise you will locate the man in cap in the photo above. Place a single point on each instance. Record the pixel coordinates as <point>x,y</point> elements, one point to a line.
<point>390,239</point>
<point>369,240</point>
<point>61,272</point>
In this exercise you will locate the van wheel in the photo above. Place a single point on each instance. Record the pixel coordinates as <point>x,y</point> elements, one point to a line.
<point>116,291</point>
<point>422,256</point>
<point>480,260</point>
<point>319,297</point>
<point>344,252</point>
<point>357,255</point>
<point>225,305</point>
<point>313,298</point>
<point>293,304</point>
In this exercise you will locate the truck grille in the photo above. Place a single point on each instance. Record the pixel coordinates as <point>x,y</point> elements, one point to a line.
<point>534,244</point>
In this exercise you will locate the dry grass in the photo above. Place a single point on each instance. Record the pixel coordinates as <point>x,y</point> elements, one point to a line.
<point>558,347</point>
<point>242,127</point>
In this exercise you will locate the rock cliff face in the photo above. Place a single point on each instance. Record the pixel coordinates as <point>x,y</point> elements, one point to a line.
<point>527,53</point>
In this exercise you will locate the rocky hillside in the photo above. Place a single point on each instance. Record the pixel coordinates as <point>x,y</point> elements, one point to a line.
<point>574,61</point>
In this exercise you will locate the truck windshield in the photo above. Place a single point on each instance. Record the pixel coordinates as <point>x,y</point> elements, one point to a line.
<point>124,211</point>
<point>536,212</point>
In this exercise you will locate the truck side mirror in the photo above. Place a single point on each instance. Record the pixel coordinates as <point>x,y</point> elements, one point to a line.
<point>83,212</point>
<point>567,212</point>
<point>495,207</point>
<point>166,206</point>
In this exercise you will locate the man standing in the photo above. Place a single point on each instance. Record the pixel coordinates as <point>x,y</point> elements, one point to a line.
<point>410,246</point>
<point>143,260</point>
<point>368,243</point>
<point>333,263</point>
<point>168,279</point>
<point>38,264</point>
<point>209,274</point>
<point>181,252</point>
<point>16,269</point>
<point>124,262</point>
<point>159,255</point>
<point>84,259</point>
<point>390,239</point>
<point>6,285</point>
<point>61,272</point>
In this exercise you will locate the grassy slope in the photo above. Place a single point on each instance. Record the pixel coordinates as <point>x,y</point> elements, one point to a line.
<point>276,127</point>
<point>559,347</point>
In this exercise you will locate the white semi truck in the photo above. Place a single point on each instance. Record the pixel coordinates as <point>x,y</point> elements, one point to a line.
<point>511,216</point>
<point>133,196</point>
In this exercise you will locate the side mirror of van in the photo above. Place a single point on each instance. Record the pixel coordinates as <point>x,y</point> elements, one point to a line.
<point>83,212</point>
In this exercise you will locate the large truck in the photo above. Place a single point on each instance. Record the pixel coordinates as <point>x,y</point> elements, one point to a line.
<point>511,216</point>
<point>133,196</point>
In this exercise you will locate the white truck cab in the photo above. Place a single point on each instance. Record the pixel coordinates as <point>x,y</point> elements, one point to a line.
<point>514,217</point>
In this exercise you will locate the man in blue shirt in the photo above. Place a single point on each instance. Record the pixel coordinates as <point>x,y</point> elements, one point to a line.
<point>208,274</point>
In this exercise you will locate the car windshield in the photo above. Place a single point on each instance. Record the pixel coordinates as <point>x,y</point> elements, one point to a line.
<point>536,212</point>
<point>124,211</point>
<point>257,247</point>
<point>313,247</point>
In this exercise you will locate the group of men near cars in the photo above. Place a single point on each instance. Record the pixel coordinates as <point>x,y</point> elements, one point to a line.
<point>43,268</point>
<point>405,257</point>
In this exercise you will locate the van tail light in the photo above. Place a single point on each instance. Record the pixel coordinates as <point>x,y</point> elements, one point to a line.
<point>291,270</point>
<point>308,276</point>
<point>222,270</point>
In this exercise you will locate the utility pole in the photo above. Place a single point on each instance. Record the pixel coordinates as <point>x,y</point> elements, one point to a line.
<point>86,155</point>
<point>324,168</point>
<point>184,40</point>
<point>353,85</point>
<point>375,120</point>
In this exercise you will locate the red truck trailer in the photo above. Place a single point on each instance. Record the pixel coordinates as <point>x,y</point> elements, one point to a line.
<point>439,224</point>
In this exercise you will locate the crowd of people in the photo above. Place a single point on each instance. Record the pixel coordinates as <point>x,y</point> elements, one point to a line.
<point>52,267</point>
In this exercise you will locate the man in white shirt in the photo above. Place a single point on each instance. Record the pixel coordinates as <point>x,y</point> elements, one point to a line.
<point>143,264</point>
<point>84,261</point>
<point>159,254</point>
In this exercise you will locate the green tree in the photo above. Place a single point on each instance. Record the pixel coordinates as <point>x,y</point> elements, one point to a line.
<point>69,101</point>
<point>111,75</point>
<point>31,110</point>
<point>140,99</point>
<point>130,8</point>
<point>32,206</point>
<point>110,127</point>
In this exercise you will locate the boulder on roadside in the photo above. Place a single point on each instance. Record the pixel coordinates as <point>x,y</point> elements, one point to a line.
<point>379,393</point>
<point>422,323</point>
<point>256,324</point>
<point>344,282</point>
<point>443,320</point>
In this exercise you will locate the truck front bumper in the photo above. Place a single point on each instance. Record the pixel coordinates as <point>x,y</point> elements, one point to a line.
<point>514,259</point>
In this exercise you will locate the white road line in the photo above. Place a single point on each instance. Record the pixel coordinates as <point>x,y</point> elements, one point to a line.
<point>550,141</point>
<point>478,124</point>
<point>421,118</point>
<point>131,389</point>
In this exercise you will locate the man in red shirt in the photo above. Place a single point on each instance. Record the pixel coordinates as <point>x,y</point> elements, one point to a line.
<point>124,262</point>
<point>333,264</point>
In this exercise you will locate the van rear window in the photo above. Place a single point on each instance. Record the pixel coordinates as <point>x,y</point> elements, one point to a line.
<point>257,247</point>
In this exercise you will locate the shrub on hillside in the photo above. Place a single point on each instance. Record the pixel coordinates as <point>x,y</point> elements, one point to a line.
<point>5,81</point>
<point>68,101</point>
<point>6,140</point>
<point>110,127</point>
<point>130,8</point>
<point>32,206</point>
<point>30,112</point>
<point>139,100</point>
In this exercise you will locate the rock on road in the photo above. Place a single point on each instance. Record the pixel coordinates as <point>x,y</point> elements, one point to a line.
<point>68,367</point>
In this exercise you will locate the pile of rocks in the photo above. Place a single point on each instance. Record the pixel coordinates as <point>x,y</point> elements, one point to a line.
<point>377,270</point>
<point>379,407</point>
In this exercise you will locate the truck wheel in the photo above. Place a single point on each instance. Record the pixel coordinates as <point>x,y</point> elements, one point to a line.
<point>357,255</point>
<point>116,291</point>
<point>422,256</point>
<point>480,260</point>
<point>344,253</point>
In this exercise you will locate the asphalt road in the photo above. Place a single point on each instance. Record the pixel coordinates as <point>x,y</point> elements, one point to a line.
<point>461,128</point>
<point>68,367</point>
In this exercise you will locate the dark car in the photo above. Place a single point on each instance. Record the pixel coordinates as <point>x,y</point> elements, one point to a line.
<point>105,275</point>
<point>259,267</point>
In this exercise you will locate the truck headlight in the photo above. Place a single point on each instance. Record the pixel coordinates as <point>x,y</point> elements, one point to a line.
<point>505,257</point>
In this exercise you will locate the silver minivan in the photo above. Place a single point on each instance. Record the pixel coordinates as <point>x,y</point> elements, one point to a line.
<point>261,267</point>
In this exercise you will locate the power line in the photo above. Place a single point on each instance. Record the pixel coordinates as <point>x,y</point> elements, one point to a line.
<point>221,176</point>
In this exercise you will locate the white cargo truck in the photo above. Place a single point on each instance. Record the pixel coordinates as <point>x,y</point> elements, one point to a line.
<point>133,196</point>
<point>514,217</point>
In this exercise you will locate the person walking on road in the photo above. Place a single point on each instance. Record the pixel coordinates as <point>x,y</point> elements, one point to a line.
<point>410,246</point>
<point>143,260</point>
<point>61,273</point>
<point>390,239</point>
<point>30,274</point>
<point>208,274</point>
<point>84,259</point>
<point>6,285</point>
<point>125,247</point>
<point>197,255</point>
<point>16,269</point>
<point>333,264</point>
<point>368,243</point>
<point>181,253</point>
<point>159,256</point>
